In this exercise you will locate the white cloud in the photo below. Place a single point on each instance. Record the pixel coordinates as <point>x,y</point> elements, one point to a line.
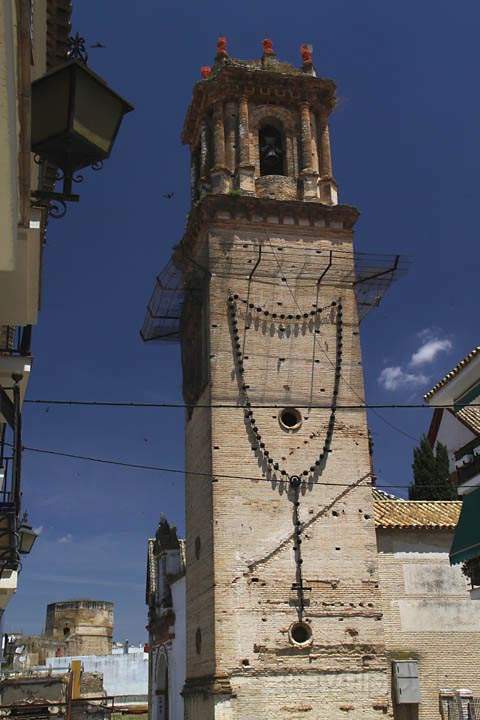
<point>394,378</point>
<point>427,352</point>
<point>65,539</point>
<point>427,334</point>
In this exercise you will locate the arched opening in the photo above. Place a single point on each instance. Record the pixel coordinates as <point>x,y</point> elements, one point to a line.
<point>272,154</point>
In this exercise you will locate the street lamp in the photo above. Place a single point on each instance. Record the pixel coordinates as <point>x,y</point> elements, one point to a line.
<point>26,536</point>
<point>75,120</point>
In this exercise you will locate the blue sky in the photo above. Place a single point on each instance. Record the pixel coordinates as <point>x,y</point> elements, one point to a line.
<point>406,153</point>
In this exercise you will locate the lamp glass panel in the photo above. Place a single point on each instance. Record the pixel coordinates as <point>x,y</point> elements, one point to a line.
<point>97,112</point>
<point>50,103</point>
<point>27,538</point>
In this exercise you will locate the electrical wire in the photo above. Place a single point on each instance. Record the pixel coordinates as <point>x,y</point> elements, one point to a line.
<point>384,420</point>
<point>232,406</point>
<point>178,471</point>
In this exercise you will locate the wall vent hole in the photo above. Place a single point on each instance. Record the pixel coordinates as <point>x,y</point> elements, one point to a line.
<point>300,633</point>
<point>290,419</point>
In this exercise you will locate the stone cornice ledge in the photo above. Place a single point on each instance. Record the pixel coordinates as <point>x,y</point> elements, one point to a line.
<point>246,208</point>
<point>215,684</point>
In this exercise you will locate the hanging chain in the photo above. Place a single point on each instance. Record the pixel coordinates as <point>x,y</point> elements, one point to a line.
<point>257,441</point>
<point>282,318</point>
<point>295,485</point>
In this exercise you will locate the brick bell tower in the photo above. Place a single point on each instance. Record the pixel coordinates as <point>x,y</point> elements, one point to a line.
<point>284,617</point>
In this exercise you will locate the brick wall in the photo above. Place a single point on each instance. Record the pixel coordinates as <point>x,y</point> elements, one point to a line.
<point>239,591</point>
<point>429,615</point>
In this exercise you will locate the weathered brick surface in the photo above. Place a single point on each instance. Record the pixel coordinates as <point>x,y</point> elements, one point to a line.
<point>86,626</point>
<point>239,592</point>
<point>415,578</point>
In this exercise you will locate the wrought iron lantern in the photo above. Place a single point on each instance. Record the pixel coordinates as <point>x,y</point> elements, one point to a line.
<point>75,120</point>
<point>26,536</point>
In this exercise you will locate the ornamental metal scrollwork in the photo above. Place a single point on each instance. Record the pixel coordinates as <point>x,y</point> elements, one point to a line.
<point>76,49</point>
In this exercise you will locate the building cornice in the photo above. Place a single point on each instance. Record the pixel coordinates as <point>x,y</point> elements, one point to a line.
<point>264,211</point>
<point>231,80</point>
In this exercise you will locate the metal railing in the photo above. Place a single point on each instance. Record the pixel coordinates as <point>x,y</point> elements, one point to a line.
<point>10,479</point>
<point>460,707</point>
<point>16,341</point>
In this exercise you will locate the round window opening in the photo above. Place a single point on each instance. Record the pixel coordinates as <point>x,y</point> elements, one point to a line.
<point>300,633</point>
<point>290,419</point>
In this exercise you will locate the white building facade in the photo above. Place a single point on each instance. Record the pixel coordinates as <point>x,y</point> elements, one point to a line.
<point>165,596</point>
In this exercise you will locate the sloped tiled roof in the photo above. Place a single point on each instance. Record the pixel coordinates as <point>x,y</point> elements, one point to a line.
<point>403,514</point>
<point>470,416</point>
<point>453,373</point>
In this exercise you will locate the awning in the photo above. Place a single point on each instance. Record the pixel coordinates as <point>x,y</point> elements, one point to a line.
<point>466,541</point>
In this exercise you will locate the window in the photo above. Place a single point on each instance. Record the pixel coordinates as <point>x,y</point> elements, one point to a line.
<point>271,151</point>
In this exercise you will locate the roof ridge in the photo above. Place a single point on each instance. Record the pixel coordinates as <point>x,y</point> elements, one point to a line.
<point>454,371</point>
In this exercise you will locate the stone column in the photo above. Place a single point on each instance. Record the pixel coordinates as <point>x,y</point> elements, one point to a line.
<point>325,150</point>
<point>218,137</point>
<point>313,123</point>
<point>306,136</point>
<point>328,186</point>
<point>243,131</point>
<point>308,173</point>
<point>219,174</point>
<point>194,175</point>
<point>204,161</point>
<point>246,171</point>
<point>231,121</point>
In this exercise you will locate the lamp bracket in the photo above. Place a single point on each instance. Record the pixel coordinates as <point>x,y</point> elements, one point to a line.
<point>76,48</point>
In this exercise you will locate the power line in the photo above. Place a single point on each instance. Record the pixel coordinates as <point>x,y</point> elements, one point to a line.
<point>384,420</point>
<point>178,471</point>
<point>261,406</point>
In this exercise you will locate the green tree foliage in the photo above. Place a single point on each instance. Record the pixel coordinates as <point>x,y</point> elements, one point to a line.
<point>431,474</point>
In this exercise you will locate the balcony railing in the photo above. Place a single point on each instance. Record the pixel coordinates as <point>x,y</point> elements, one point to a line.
<point>467,461</point>
<point>10,476</point>
<point>16,341</point>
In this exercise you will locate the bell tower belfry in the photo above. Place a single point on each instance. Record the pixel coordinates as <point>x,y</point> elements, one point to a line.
<point>265,290</point>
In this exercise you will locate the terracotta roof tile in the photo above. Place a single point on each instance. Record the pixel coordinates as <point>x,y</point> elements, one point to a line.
<point>450,375</point>
<point>403,514</point>
<point>470,416</point>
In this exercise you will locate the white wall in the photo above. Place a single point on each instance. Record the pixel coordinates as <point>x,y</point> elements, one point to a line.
<point>171,657</point>
<point>8,135</point>
<point>178,661</point>
<point>453,434</point>
<point>122,674</point>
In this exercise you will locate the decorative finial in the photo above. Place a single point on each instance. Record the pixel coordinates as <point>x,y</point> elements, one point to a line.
<point>205,71</point>
<point>267,45</point>
<point>222,53</point>
<point>306,52</point>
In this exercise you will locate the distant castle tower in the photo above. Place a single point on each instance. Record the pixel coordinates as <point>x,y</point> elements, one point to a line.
<point>86,625</point>
<point>265,289</point>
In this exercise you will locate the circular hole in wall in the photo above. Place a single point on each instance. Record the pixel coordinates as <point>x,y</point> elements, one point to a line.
<point>300,633</point>
<point>198,547</point>
<point>290,419</point>
<point>198,641</point>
